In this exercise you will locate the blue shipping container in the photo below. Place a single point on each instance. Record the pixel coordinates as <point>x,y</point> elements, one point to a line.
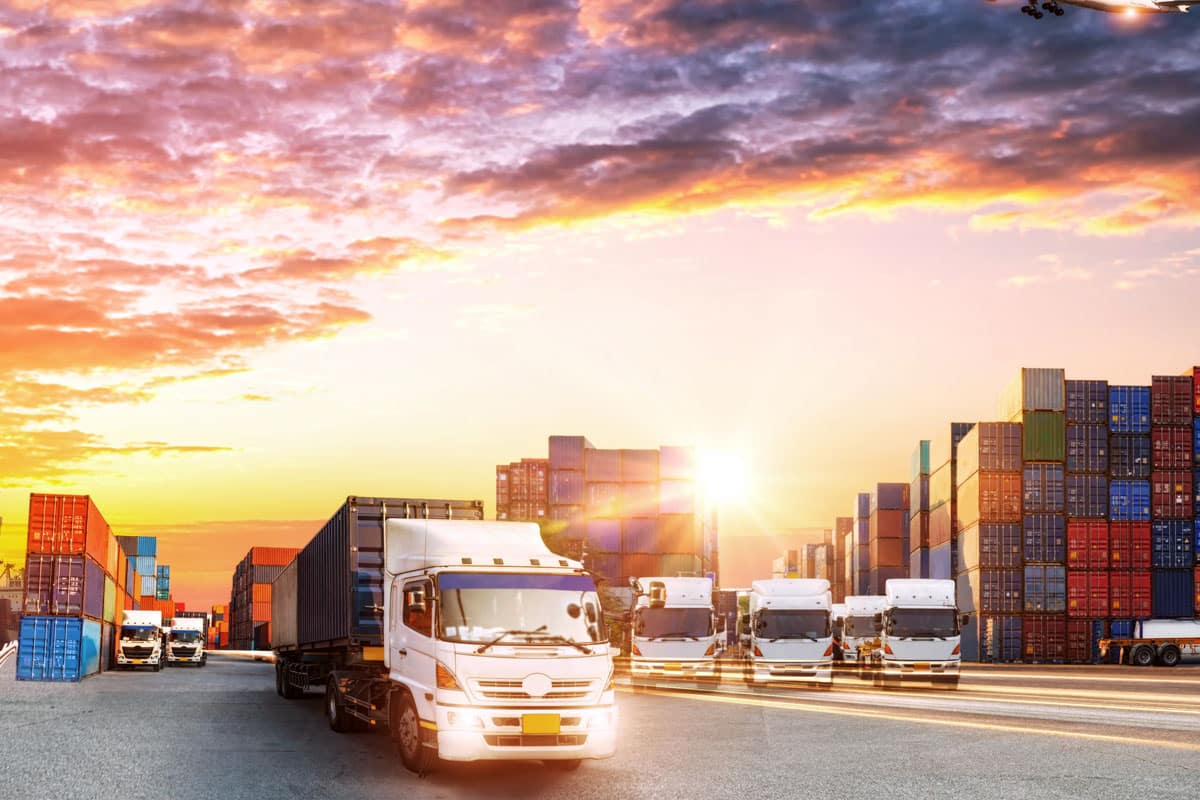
<point>918,563</point>
<point>145,566</point>
<point>1129,409</point>
<point>1043,488</point>
<point>1045,538</point>
<point>147,546</point>
<point>604,535</point>
<point>1087,402</point>
<point>1129,501</point>
<point>1196,491</point>
<point>164,571</point>
<point>918,495</point>
<point>1120,628</point>
<point>992,545</point>
<point>993,591</point>
<point>864,505</point>
<point>640,536</point>
<point>1172,543</point>
<point>1129,457</point>
<point>1099,631</point>
<point>889,497</point>
<point>58,648</point>
<point>941,562</point>
<point>1172,593</point>
<point>1003,639</point>
<point>1045,589</point>
<point>1087,448</point>
<point>148,586</point>
<point>1196,443</point>
<point>1087,496</point>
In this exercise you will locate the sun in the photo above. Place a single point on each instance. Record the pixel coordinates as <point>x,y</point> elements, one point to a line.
<point>724,476</point>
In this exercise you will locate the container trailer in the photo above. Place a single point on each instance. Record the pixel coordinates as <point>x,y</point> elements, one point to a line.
<point>186,642</point>
<point>920,634</point>
<point>140,643</point>
<point>789,631</point>
<point>672,630</point>
<point>1165,642</point>
<point>468,640</point>
<point>860,629</point>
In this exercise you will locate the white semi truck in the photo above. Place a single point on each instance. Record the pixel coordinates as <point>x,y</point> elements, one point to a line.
<point>673,629</point>
<point>919,638</point>
<point>860,626</point>
<point>469,640</point>
<point>140,642</point>
<point>1165,642</point>
<point>185,642</point>
<point>789,631</point>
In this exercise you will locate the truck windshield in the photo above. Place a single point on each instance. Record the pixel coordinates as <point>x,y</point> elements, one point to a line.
<point>862,626</point>
<point>922,622</point>
<point>653,623</point>
<point>139,634</point>
<point>476,608</point>
<point>185,636</point>
<point>793,624</point>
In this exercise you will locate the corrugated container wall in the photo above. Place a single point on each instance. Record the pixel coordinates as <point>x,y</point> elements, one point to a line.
<point>1171,400</point>
<point>1034,389</point>
<point>284,631</point>
<point>1087,402</point>
<point>1129,409</point>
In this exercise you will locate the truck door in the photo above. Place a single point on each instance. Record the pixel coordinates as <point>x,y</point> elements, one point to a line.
<point>413,640</point>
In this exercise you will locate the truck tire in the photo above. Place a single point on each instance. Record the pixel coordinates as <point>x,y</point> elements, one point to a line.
<point>413,754</point>
<point>1169,656</point>
<point>339,720</point>
<point>1142,656</point>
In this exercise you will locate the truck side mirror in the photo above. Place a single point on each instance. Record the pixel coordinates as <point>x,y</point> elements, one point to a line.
<point>964,620</point>
<point>414,601</point>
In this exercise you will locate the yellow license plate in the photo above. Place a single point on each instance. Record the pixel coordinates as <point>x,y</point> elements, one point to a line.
<point>139,661</point>
<point>540,723</point>
<point>675,667</point>
<point>921,665</point>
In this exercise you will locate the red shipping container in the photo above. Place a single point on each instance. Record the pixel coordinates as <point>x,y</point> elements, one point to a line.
<point>1172,400</point>
<point>1087,544</point>
<point>990,497</point>
<point>1171,448</point>
<point>1171,494</point>
<point>1079,641</point>
<point>67,524</point>
<point>635,565</point>
<point>1044,638</point>
<point>1194,373</point>
<point>272,556</point>
<point>1129,545</point>
<point>1087,593</point>
<point>1197,583</point>
<point>940,525</point>
<point>888,524</point>
<point>1129,594</point>
<point>888,553</point>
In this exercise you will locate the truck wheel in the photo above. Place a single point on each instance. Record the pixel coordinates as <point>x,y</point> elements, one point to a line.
<point>565,764</point>
<point>339,720</point>
<point>1142,656</point>
<point>415,756</point>
<point>1169,656</point>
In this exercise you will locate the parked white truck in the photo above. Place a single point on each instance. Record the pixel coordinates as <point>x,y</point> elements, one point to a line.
<point>920,630</point>
<point>860,626</point>
<point>185,642</point>
<point>1165,642</point>
<point>673,629</point>
<point>789,631</point>
<point>468,639</point>
<point>140,642</point>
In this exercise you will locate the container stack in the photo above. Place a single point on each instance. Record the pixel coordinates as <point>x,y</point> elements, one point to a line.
<point>822,557</point>
<point>843,528</point>
<point>523,490</point>
<point>1172,497</point>
<point>74,590</point>
<point>218,629</point>
<point>861,567</point>
<point>943,502</point>
<point>991,579</point>
<point>162,586</point>
<point>889,534</point>
<point>566,494</point>
<point>1037,399</point>
<point>1194,374</point>
<point>918,525</point>
<point>142,555</point>
<point>250,600</point>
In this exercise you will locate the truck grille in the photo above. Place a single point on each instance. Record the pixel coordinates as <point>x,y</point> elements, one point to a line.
<point>184,652</point>
<point>535,740</point>
<point>137,652</point>
<point>513,690</point>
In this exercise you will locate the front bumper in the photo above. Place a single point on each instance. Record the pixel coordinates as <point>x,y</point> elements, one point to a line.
<point>196,659</point>
<point>764,671</point>
<point>919,670</point>
<point>698,668</point>
<point>147,661</point>
<point>496,734</point>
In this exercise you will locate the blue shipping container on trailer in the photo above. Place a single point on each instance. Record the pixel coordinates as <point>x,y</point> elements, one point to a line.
<point>1129,409</point>
<point>1087,496</point>
<point>58,648</point>
<point>1042,484</point>
<point>1087,402</point>
<point>1045,539</point>
<point>1129,501</point>
<point>1172,543</point>
<point>1173,593</point>
<point>1045,589</point>
<point>1087,448</point>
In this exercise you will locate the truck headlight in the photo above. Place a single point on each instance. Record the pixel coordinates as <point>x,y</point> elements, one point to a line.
<point>600,719</point>
<point>463,719</point>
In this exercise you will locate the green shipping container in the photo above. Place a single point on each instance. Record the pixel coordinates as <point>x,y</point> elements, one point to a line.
<point>920,459</point>
<point>162,595</point>
<point>1045,435</point>
<point>110,599</point>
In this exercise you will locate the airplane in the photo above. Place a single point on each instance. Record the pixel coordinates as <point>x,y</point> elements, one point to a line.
<point>1127,7</point>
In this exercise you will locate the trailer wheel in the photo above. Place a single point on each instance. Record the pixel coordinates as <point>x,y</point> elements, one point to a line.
<point>1142,656</point>
<point>339,720</point>
<point>414,755</point>
<point>1169,656</point>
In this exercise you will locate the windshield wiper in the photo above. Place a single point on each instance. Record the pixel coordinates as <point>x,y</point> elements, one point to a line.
<point>678,635</point>
<point>483,648</point>
<point>554,637</point>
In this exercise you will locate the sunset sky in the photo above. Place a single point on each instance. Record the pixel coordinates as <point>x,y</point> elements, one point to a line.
<point>257,256</point>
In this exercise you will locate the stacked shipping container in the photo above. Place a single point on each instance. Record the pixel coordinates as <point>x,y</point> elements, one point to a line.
<point>918,525</point>
<point>943,501</point>
<point>861,561</point>
<point>889,535</point>
<point>1172,499</point>
<point>843,529</point>
<point>523,490</point>
<point>250,600</point>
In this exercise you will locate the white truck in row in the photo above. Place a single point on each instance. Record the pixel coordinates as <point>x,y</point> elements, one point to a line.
<point>673,631</point>
<point>185,642</point>
<point>860,626</point>
<point>140,642</point>
<point>920,633</point>
<point>789,632</point>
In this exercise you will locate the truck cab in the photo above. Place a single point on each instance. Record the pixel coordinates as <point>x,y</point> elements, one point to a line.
<point>673,632</point>
<point>861,626</point>
<point>140,643</point>
<point>920,633</point>
<point>495,647</point>
<point>789,631</point>
<point>185,642</point>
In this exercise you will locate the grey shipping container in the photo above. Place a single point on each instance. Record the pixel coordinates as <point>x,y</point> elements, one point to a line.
<point>340,572</point>
<point>284,632</point>
<point>566,452</point>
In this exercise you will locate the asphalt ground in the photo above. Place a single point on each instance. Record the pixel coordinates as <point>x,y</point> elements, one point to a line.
<point>1008,732</point>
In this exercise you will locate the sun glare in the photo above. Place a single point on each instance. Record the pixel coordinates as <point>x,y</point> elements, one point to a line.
<point>724,476</point>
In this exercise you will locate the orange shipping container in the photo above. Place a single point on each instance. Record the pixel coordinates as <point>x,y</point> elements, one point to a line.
<point>273,556</point>
<point>262,592</point>
<point>67,524</point>
<point>122,569</point>
<point>262,612</point>
<point>639,565</point>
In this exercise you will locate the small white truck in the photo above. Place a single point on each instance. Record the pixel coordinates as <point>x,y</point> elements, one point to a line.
<point>140,642</point>
<point>673,629</point>
<point>789,631</point>
<point>1165,642</point>
<point>185,642</point>
<point>860,626</point>
<point>919,639</point>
